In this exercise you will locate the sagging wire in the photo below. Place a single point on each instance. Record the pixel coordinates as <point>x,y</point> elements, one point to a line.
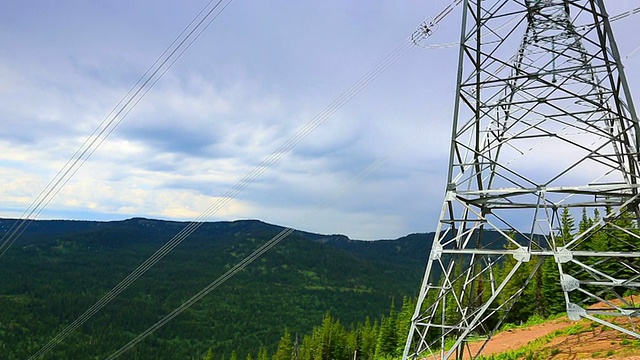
<point>254,174</point>
<point>209,13</point>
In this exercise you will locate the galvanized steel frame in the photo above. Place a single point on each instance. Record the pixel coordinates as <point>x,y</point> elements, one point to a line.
<point>543,121</point>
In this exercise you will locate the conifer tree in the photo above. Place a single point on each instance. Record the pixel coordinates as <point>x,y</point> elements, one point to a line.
<point>208,355</point>
<point>404,323</point>
<point>452,312</point>
<point>585,222</point>
<point>334,344</point>
<point>263,354</point>
<point>551,288</point>
<point>285,347</point>
<point>567,227</point>
<point>524,301</point>
<point>369,339</point>
<point>387,337</point>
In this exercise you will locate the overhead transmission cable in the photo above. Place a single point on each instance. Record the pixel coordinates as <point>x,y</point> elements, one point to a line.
<point>245,181</point>
<point>624,14</point>
<point>210,12</point>
<point>248,260</point>
<point>454,43</point>
<point>425,30</point>
<point>372,167</point>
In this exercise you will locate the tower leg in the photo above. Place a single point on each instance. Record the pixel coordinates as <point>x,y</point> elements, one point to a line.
<point>544,132</point>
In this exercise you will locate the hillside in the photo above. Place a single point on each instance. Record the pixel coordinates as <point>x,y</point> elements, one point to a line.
<point>58,269</point>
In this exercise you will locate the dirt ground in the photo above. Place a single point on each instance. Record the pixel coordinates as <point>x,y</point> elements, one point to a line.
<point>587,340</point>
<point>596,342</point>
<point>593,341</point>
<point>517,338</point>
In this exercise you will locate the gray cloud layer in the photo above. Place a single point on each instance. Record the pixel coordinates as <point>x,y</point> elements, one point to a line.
<point>257,75</point>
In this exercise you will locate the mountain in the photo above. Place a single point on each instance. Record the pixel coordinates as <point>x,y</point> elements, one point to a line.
<point>58,269</point>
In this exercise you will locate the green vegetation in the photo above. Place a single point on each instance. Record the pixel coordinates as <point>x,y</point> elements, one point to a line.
<point>542,300</point>
<point>378,339</point>
<point>315,297</point>
<point>543,297</point>
<point>58,269</point>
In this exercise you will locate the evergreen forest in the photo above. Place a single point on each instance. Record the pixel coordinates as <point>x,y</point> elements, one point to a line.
<point>58,269</point>
<point>385,337</point>
<point>312,297</point>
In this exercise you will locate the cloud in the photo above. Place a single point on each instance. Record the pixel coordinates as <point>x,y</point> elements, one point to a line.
<point>254,78</point>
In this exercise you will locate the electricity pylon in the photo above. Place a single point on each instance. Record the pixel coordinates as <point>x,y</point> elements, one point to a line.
<point>543,126</point>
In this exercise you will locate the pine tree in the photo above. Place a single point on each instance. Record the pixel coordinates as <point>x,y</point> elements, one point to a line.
<point>354,341</point>
<point>387,337</point>
<point>263,354</point>
<point>524,304</point>
<point>551,287</point>
<point>208,355</point>
<point>334,340</point>
<point>453,313</point>
<point>369,339</point>
<point>567,227</point>
<point>540,307</point>
<point>285,347</point>
<point>329,341</point>
<point>585,222</point>
<point>326,338</point>
<point>307,348</point>
<point>404,322</point>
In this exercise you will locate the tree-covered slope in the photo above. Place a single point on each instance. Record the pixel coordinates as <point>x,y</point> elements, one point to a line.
<point>57,269</point>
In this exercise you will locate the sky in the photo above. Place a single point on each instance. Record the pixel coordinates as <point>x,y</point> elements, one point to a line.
<point>258,74</point>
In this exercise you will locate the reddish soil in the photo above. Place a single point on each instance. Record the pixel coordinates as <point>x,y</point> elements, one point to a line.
<point>596,342</point>
<point>587,340</point>
<point>517,338</point>
<point>593,341</point>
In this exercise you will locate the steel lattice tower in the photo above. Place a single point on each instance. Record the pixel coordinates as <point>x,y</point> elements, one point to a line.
<point>543,124</point>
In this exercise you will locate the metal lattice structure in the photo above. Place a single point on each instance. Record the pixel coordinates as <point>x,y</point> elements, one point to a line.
<point>544,125</point>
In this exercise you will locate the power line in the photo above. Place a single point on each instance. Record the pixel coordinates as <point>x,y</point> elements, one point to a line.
<point>454,44</point>
<point>373,166</point>
<point>249,178</point>
<point>210,12</point>
<point>245,262</point>
<point>255,173</point>
<point>624,14</point>
<point>345,96</point>
<point>221,201</point>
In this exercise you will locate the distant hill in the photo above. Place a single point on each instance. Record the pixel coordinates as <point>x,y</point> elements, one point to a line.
<point>58,269</point>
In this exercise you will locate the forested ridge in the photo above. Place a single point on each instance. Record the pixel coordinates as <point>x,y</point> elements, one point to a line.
<point>58,269</point>
<point>315,297</point>
<point>385,337</point>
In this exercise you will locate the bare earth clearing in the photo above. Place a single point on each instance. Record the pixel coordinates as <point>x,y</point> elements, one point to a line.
<point>594,342</point>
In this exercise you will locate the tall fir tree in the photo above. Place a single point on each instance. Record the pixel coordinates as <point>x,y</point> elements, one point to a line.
<point>208,355</point>
<point>388,336</point>
<point>285,347</point>
<point>369,339</point>
<point>551,287</point>
<point>524,306</point>
<point>403,323</point>
<point>263,354</point>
